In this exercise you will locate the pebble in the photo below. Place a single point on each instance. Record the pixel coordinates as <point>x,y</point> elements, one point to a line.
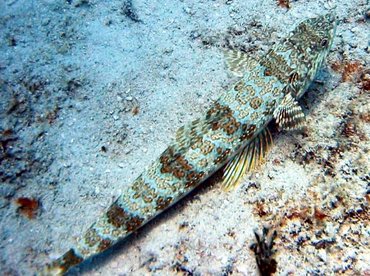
<point>129,98</point>
<point>367,14</point>
<point>45,21</point>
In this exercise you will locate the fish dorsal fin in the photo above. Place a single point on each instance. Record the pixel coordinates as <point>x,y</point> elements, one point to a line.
<point>238,62</point>
<point>189,134</point>
<point>289,115</point>
<point>247,160</point>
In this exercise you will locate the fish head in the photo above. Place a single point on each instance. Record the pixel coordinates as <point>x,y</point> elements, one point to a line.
<point>315,37</point>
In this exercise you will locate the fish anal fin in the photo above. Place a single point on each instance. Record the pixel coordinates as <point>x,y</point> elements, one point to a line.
<point>247,160</point>
<point>289,115</point>
<point>238,62</point>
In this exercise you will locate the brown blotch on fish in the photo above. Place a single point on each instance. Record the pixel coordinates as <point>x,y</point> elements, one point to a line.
<point>147,199</point>
<point>248,131</point>
<point>256,102</point>
<point>215,125</point>
<point>104,244</point>
<point>163,203</point>
<point>189,184</point>
<point>92,237</point>
<point>193,178</point>
<point>206,147</point>
<point>191,175</point>
<point>183,163</point>
<point>222,118</point>
<point>178,173</point>
<point>133,223</point>
<point>176,164</point>
<point>231,126</point>
<point>117,216</point>
<point>277,65</point>
<point>165,168</point>
<point>222,156</point>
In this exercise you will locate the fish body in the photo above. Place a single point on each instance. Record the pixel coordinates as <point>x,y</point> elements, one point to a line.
<point>233,131</point>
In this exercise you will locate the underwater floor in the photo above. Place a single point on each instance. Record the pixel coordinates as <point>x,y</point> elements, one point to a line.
<point>93,91</point>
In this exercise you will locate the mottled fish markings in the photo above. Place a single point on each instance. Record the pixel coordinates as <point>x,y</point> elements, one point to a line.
<point>233,131</point>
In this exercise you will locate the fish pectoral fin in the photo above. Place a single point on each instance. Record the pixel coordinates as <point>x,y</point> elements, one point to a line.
<point>247,160</point>
<point>238,62</point>
<point>289,115</point>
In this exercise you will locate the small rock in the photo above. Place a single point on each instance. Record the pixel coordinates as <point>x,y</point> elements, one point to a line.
<point>367,15</point>
<point>81,3</point>
<point>45,21</point>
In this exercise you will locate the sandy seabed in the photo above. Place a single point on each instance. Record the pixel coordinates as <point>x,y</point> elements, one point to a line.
<point>93,91</point>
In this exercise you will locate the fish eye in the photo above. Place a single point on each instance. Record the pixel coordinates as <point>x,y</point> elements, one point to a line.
<point>324,42</point>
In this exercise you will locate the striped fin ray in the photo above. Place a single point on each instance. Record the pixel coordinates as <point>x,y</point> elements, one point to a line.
<point>247,160</point>
<point>289,115</point>
<point>189,134</point>
<point>238,62</point>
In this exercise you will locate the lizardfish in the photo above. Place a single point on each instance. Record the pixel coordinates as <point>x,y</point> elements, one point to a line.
<point>232,132</point>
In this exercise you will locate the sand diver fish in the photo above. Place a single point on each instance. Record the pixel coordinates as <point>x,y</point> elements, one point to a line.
<point>233,132</point>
